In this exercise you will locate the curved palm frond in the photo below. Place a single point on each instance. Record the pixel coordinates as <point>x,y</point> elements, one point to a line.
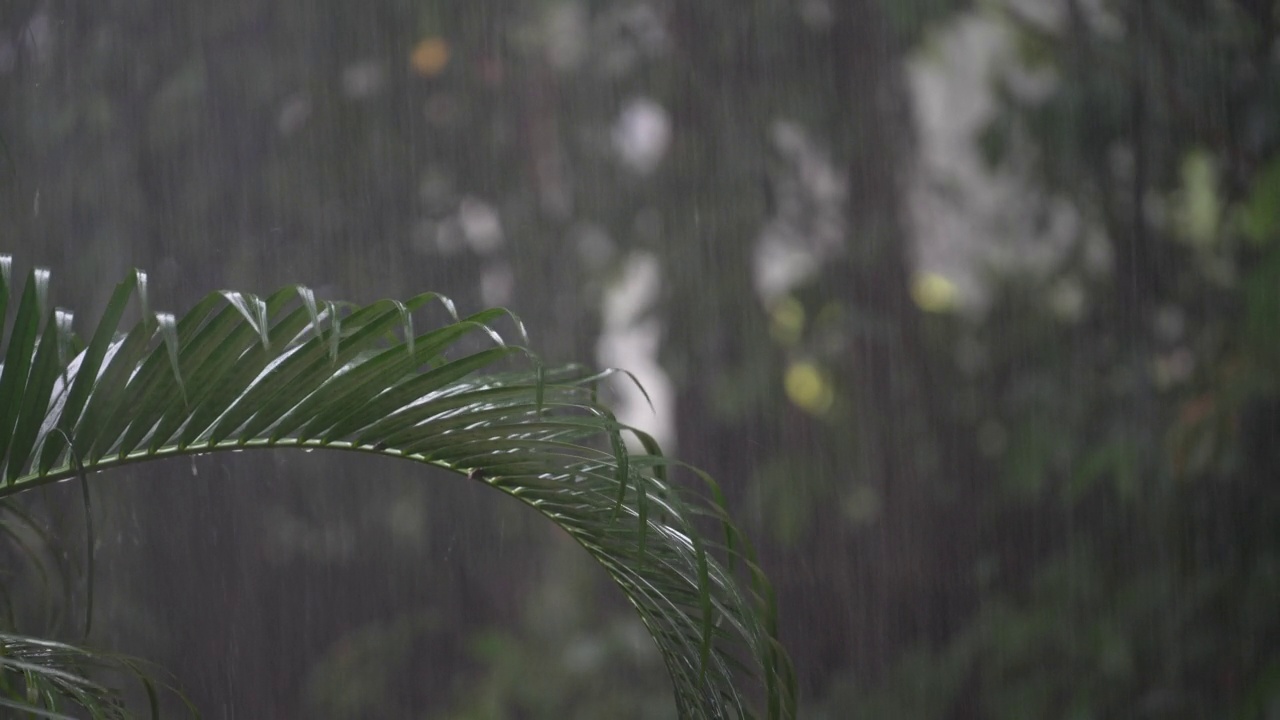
<point>238,372</point>
<point>39,677</point>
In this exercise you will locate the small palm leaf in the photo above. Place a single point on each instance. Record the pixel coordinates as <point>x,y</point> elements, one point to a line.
<point>239,372</point>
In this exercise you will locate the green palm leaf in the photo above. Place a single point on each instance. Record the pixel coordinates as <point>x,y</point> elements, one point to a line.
<point>44,679</point>
<point>239,372</point>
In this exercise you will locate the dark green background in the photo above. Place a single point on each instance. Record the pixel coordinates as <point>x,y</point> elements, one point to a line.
<point>1003,509</point>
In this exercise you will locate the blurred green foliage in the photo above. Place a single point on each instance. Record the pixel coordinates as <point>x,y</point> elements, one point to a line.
<point>1059,505</point>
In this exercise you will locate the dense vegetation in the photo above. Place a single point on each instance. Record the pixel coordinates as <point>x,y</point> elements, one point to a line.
<point>1050,496</point>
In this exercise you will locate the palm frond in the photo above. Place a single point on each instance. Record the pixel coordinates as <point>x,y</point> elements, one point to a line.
<point>40,678</point>
<point>240,372</point>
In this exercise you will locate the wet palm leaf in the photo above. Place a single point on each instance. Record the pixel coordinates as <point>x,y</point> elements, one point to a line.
<point>240,372</point>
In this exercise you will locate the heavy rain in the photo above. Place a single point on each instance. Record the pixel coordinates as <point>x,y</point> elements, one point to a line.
<point>831,359</point>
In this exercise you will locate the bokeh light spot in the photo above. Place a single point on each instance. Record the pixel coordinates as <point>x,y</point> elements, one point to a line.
<point>808,388</point>
<point>933,293</point>
<point>430,57</point>
<point>787,321</point>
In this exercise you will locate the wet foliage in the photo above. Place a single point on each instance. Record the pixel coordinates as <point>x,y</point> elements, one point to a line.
<point>971,309</point>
